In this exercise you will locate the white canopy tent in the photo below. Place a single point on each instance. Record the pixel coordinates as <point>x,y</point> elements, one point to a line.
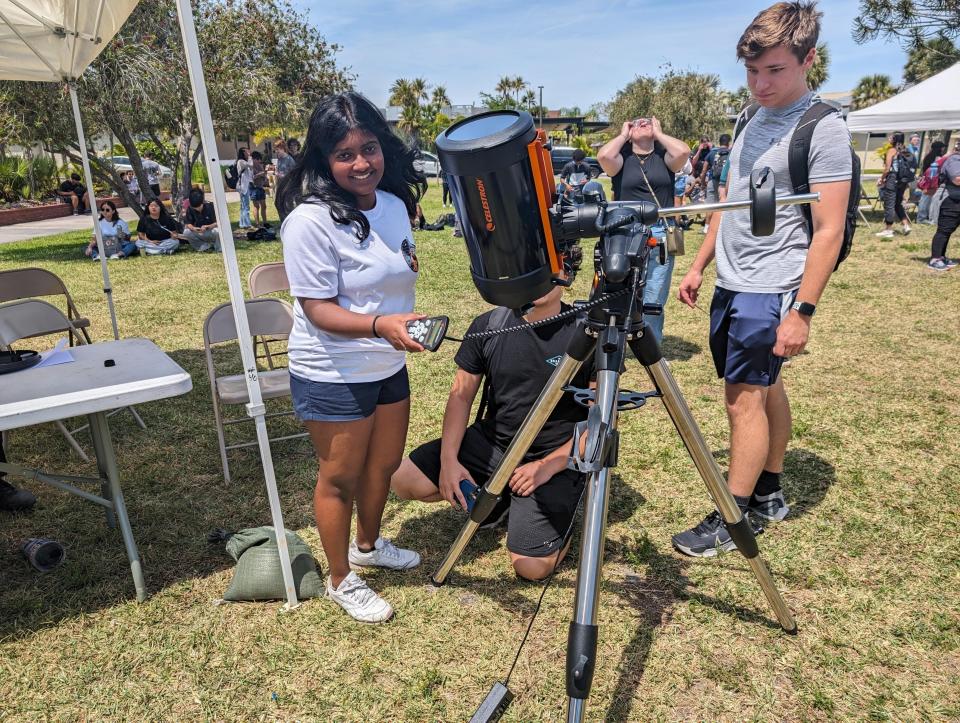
<point>54,41</point>
<point>931,105</point>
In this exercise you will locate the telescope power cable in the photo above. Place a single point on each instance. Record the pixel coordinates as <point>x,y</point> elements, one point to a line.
<point>571,312</point>
<point>546,586</point>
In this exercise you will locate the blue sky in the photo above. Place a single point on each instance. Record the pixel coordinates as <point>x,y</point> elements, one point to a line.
<point>581,52</point>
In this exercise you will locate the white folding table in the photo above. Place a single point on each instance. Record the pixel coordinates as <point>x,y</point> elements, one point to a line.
<point>140,372</point>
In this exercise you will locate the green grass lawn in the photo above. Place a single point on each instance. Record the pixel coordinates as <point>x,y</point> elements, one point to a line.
<point>868,561</point>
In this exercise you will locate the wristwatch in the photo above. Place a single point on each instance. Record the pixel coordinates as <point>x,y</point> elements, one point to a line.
<point>802,307</point>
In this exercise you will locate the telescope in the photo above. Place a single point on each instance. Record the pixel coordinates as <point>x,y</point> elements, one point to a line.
<point>521,237</point>
<point>519,233</point>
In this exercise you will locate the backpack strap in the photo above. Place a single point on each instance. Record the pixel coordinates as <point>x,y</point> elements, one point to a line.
<point>499,319</point>
<point>798,158</point>
<point>748,112</point>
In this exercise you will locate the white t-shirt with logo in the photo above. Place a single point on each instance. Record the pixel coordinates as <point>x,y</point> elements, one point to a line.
<point>324,260</point>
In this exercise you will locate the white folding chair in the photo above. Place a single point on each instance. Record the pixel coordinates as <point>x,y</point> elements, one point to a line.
<point>267,317</point>
<point>266,279</point>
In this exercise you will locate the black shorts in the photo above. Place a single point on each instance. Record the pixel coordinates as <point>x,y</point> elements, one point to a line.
<point>537,523</point>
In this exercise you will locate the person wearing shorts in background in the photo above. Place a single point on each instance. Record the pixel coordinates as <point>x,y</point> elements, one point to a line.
<point>543,494</point>
<point>767,288</point>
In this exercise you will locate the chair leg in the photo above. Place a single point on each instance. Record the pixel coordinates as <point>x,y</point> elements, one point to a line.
<point>136,416</point>
<point>266,350</point>
<point>71,441</point>
<point>218,422</point>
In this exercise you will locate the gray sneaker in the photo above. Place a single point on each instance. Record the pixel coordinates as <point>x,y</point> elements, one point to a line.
<point>938,264</point>
<point>710,537</point>
<point>770,508</point>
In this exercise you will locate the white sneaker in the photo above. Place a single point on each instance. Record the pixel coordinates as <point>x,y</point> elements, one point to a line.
<point>383,554</point>
<point>886,233</point>
<point>905,230</point>
<point>360,602</point>
<point>115,256</point>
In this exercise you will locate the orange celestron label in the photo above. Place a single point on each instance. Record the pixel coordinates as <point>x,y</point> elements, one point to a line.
<point>485,204</point>
<point>543,183</point>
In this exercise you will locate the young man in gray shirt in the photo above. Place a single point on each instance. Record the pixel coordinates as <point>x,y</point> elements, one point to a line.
<point>768,287</point>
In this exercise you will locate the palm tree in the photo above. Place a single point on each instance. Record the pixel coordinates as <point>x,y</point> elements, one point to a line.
<point>518,85</point>
<point>504,86</point>
<point>401,92</point>
<point>871,90</point>
<point>412,122</point>
<point>439,98</point>
<point>418,89</point>
<point>819,72</point>
<point>528,100</point>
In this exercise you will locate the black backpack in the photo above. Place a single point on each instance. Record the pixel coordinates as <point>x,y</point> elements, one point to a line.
<point>232,176</point>
<point>904,167</point>
<point>798,161</point>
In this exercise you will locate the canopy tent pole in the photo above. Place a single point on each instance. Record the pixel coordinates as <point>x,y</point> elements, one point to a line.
<point>255,409</point>
<point>88,178</point>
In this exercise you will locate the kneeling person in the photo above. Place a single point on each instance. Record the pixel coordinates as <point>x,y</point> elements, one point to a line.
<point>543,493</point>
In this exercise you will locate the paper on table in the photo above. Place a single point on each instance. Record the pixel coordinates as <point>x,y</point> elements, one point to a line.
<point>58,355</point>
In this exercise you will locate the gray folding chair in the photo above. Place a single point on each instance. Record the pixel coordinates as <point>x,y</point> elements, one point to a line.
<point>28,318</point>
<point>267,317</point>
<point>31,283</point>
<point>266,279</point>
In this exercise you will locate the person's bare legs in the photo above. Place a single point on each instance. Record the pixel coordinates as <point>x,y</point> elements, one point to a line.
<point>780,424</point>
<point>749,436</point>
<point>341,449</point>
<point>409,483</point>
<point>383,455</point>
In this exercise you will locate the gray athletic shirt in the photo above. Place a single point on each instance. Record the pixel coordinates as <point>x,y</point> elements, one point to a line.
<point>774,264</point>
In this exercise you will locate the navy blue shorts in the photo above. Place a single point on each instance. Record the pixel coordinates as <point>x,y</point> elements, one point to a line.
<point>258,194</point>
<point>743,330</point>
<point>345,402</point>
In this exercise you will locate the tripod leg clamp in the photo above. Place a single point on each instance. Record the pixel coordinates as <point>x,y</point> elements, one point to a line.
<point>581,659</point>
<point>742,534</point>
<point>484,505</point>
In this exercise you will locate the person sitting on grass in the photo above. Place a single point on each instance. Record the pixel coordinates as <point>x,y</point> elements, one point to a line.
<point>201,230</point>
<point>543,494</point>
<point>157,232</point>
<point>75,193</point>
<point>115,233</point>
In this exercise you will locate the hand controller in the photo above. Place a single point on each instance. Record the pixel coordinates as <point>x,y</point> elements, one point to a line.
<point>428,332</point>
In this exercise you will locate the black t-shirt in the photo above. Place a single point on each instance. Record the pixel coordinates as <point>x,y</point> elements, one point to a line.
<point>572,167</point>
<point>517,365</point>
<point>72,187</point>
<point>628,185</point>
<point>203,217</point>
<point>157,230</point>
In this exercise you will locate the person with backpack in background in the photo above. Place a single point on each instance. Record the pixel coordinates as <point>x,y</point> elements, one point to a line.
<point>767,288</point>
<point>899,171</point>
<point>929,181</point>
<point>244,177</point>
<point>714,167</point>
<point>948,219</point>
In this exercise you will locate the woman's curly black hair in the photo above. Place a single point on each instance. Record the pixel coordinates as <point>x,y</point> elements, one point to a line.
<point>311,181</point>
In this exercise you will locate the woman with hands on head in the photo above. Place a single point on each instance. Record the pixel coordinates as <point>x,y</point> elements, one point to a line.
<point>641,163</point>
<point>351,261</point>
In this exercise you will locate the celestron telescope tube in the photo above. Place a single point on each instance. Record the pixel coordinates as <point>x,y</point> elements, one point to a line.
<point>502,186</point>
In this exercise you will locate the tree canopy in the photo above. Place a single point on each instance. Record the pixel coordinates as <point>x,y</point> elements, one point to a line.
<point>909,21</point>
<point>264,64</point>
<point>871,90</point>
<point>929,58</point>
<point>687,104</point>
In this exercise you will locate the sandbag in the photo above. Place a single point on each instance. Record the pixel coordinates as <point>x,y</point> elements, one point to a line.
<point>258,575</point>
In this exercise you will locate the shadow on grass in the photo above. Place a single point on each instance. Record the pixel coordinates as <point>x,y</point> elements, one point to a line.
<point>175,494</point>
<point>29,253</point>
<point>806,478</point>
<point>676,348</point>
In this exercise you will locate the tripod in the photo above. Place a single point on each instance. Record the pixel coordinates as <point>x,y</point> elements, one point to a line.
<point>607,330</point>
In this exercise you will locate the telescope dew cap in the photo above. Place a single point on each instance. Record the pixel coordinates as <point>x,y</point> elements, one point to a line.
<point>484,142</point>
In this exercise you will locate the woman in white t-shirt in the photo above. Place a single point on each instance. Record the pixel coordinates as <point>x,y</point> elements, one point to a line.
<point>350,258</point>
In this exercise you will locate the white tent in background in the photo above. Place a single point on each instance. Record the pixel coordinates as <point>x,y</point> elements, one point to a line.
<point>54,41</point>
<point>931,105</point>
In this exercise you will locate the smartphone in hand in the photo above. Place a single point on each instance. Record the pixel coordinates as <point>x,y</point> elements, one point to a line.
<point>470,492</point>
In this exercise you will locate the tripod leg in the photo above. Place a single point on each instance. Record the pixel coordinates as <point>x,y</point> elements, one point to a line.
<point>580,347</point>
<point>582,636</point>
<point>648,353</point>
